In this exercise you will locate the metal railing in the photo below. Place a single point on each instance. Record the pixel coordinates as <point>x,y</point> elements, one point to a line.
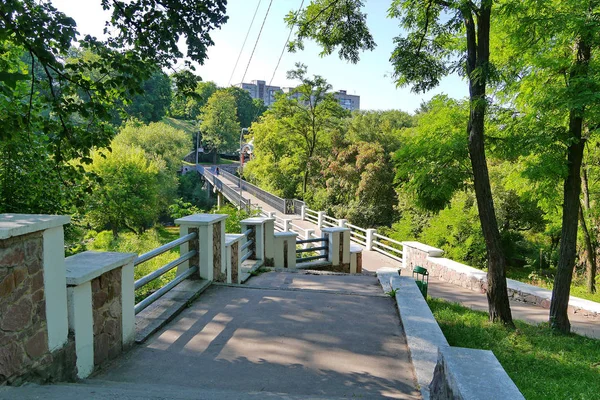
<point>230,193</point>
<point>163,270</point>
<point>311,215</point>
<point>323,249</point>
<point>378,246</point>
<point>274,201</point>
<point>246,249</point>
<point>357,234</point>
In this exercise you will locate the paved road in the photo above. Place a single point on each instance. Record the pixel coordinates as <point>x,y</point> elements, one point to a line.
<point>334,336</point>
<point>372,261</point>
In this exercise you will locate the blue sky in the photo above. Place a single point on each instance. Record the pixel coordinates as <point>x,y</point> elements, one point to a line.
<point>370,78</point>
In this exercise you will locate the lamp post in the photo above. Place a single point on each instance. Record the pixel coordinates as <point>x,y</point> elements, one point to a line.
<point>241,163</point>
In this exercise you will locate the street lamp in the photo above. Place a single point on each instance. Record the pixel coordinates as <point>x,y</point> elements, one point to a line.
<point>241,163</point>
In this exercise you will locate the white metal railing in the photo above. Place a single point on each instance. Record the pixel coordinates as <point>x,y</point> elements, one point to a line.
<point>303,233</point>
<point>246,248</point>
<point>163,270</point>
<point>379,247</point>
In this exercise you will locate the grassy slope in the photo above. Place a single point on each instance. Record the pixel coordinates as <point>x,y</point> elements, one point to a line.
<point>189,127</point>
<point>543,365</point>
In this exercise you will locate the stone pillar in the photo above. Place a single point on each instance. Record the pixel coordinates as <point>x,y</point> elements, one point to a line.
<point>355,259</point>
<point>257,225</point>
<point>101,306</point>
<point>342,223</point>
<point>211,242</point>
<point>34,342</point>
<point>285,250</point>
<point>287,225</point>
<point>269,232</point>
<point>233,243</point>
<point>303,213</point>
<point>370,237</point>
<point>339,248</point>
<point>320,218</point>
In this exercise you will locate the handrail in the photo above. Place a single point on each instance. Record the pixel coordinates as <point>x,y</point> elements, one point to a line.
<point>246,256</point>
<point>247,232</point>
<point>315,240</point>
<point>356,227</point>
<point>308,210</point>
<point>164,248</point>
<point>388,239</point>
<point>163,290</point>
<point>385,246</point>
<point>312,249</point>
<point>330,218</point>
<point>247,244</point>
<point>161,271</point>
<point>275,201</point>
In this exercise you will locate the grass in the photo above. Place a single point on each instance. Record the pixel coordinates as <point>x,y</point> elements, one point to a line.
<point>128,242</point>
<point>542,364</point>
<point>190,127</point>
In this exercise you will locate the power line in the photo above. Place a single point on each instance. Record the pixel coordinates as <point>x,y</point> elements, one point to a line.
<point>286,42</point>
<point>257,39</point>
<point>244,44</point>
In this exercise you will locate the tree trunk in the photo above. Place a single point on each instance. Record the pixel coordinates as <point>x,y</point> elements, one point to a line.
<point>478,39</point>
<point>590,254</point>
<point>559,319</point>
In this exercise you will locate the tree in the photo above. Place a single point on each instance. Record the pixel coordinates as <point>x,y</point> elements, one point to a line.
<point>61,106</point>
<point>219,124</point>
<point>307,115</point>
<point>187,104</point>
<point>428,52</point>
<point>129,192</point>
<point>153,103</point>
<point>248,110</point>
<point>558,40</point>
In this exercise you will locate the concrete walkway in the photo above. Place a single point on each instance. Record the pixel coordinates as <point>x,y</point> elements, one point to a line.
<point>285,334</point>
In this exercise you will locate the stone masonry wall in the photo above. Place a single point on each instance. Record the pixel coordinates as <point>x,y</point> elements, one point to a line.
<point>438,267</point>
<point>24,354</point>
<point>218,276</point>
<point>108,325</point>
<point>234,262</point>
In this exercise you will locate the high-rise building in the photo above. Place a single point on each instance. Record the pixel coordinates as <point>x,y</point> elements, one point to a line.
<point>260,90</point>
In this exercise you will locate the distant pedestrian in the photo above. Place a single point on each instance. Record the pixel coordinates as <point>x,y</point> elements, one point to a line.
<point>217,170</point>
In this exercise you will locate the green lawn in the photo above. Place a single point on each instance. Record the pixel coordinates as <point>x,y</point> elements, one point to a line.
<point>190,127</point>
<point>542,364</point>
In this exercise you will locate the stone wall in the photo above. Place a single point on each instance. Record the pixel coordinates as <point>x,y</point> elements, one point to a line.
<point>107,316</point>
<point>418,254</point>
<point>24,354</point>
<point>234,262</point>
<point>218,275</point>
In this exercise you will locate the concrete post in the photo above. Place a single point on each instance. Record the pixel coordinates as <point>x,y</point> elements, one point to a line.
<point>287,225</point>
<point>95,308</point>
<point>269,232</point>
<point>303,213</point>
<point>309,235</point>
<point>211,241</point>
<point>339,248</point>
<point>219,200</point>
<point>370,237</point>
<point>233,243</point>
<point>342,222</point>
<point>257,225</point>
<point>320,218</point>
<point>33,293</point>
<point>285,250</point>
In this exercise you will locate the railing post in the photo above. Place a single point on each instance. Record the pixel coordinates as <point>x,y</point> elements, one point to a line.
<point>339,248</point>
<point>309,235</point>
<point>342,222</point>
<point>370,237</point>
<point>285,250</point>
<point>269,232</point>
<point>257,225</point>
<point>211,242</point>
<point>303,213</point>
<point>287,225</point>
<point>233,243</point>
<point>320,218</point>
<point>33,298</point>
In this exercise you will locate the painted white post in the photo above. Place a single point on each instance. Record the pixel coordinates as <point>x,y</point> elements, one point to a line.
<point>370,238</point>
<point>287,225</point>
<point>285,250</point>
<point>342,222</point>
<point>303,213</point>
<point>210,227</point>
<point>269,232</point>
<point>272,214</point>
<point>320,218</point>
<point>219,200</point>
<point>81,270</point>
<point>309,234</point>
<point>339,247</point>
<point>257,224</point>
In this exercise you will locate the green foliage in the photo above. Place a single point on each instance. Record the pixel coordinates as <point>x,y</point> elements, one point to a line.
<point>187,104</point>
<point>248,110</point>
<point>128,242</point>
<point>129,193</point>
<point>235,216</point>
<point>542,364</point>
<point>181,209</point>
<point>433,162</point>
<point>219,124</point>
<point>152,105</point>
<point>191,191</point>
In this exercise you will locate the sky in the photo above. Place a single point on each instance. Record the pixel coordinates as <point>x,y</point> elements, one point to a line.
<point>370,78</point>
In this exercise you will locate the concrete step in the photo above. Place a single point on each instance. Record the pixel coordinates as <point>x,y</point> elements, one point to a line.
<point>104,390</point>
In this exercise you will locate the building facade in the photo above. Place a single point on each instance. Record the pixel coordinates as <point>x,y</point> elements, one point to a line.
<point>260,90</point>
